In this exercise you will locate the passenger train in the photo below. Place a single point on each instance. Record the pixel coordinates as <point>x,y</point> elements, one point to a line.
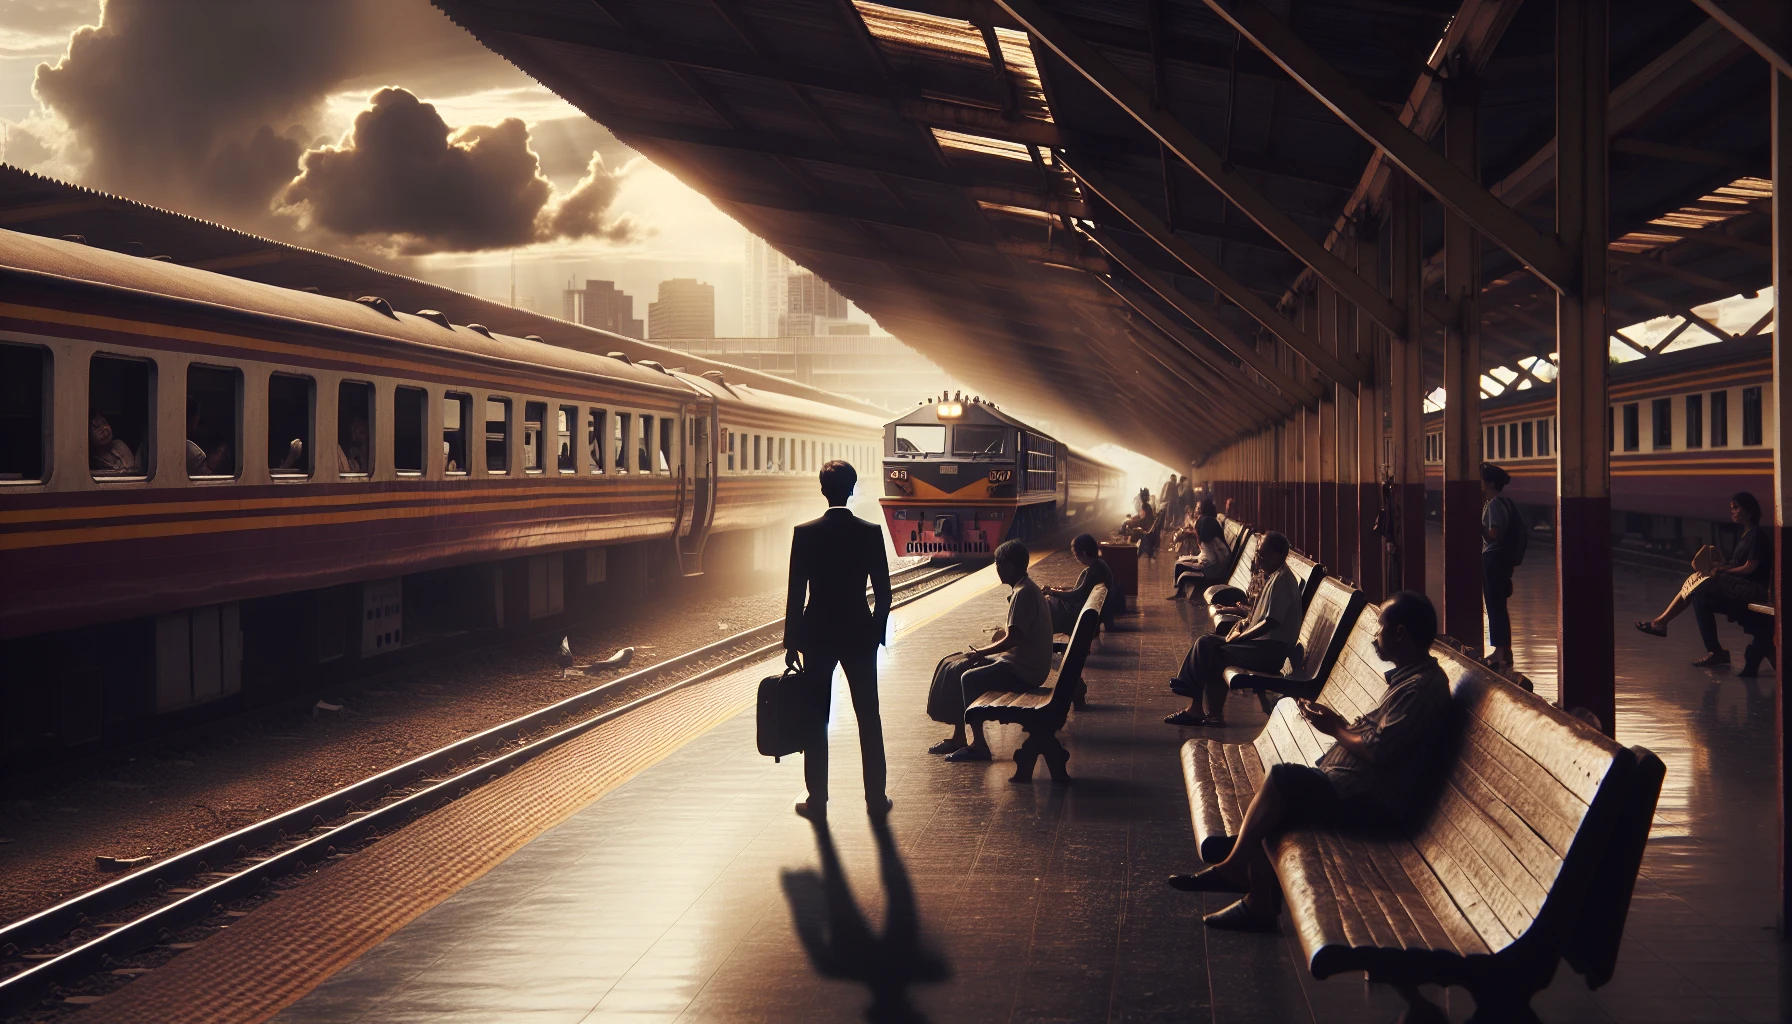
<point>961,476</point>
<point>206,480</point>
<point>1686,430</point>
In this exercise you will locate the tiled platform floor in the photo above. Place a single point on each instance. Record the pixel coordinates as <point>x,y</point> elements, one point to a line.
<point>692,892</point>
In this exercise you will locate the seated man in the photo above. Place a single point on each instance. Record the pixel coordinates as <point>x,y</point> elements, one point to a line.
<point>1371,777</point>
<point>1209,565</point>
<point>1261,642</point>
<point>1023,650</point>
<point>1066,602</point>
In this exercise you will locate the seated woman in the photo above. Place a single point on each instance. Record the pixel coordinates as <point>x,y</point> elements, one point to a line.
<point>1260,642</point>
<point>1380,763</point>
<point>1728,587</point>
<point>1067,602</point>
<point>1023,659</point>
<point>1208,565</point>
<point>1134,525</point>
<point>106,454</point>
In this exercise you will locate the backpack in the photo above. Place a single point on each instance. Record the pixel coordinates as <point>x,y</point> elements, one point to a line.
<point>1517,538</point>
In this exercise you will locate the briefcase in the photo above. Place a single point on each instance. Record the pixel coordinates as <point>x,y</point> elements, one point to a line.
<point>789,713</point>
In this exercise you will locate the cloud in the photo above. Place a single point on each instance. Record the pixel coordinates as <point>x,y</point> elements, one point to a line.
<point>403,177</point>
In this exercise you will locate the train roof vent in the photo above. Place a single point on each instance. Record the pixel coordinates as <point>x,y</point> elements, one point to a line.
<point>617,355</point>
<point>435,316</point>
<point>481,328</point>
<point>533,337</point>
<point>378,305</point>
<point>652,365</point>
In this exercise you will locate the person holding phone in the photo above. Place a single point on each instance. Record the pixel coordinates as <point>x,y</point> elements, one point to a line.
<point>1369,777</point>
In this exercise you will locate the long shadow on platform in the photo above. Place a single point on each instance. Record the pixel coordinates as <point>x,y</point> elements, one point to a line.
<point>840,942</point>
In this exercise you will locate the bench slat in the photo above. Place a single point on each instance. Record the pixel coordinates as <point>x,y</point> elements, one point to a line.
<point>1498,875</point>
<point>1576,755</point>
<point>1431,931</point>
<point>1550,814</point>
<point>1514,818</point>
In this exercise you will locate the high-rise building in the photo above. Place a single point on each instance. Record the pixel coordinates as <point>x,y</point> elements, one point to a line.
<point>849,360</point>
<point>811,306</point>
<point>602,305</point>
<point>686,308</point>
<point>763,289</point>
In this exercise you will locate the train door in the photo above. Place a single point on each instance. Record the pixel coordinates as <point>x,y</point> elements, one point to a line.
<point>696,485</point>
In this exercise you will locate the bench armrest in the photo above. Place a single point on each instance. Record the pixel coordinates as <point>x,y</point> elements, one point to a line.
<point>1239,679</point>
<point>1223,594</point>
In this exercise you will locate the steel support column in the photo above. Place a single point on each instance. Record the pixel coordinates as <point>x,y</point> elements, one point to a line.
<point>1406,399</point>
<point>1370,578</point>
<point>1782,468</point>
<point>1326,431</point>
<point>1586,662</point>
<point>1462,379</point>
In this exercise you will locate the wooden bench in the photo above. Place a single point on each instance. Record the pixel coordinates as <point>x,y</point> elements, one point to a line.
<point>1527,854</point>
<point>1324,627</point>
<point>1042,710</point>
<point>1238,584</point>
<point>1307,575</point>
<point>1757,622</point>
<point>1222,777</point>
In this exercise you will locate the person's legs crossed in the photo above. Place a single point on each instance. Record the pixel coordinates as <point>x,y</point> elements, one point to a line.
<point>1252,655</point>
<point>997,675</point>
<point>815,753</point>
<point>861,680</point>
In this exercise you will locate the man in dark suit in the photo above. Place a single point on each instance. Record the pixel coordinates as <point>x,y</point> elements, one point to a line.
<point>831,559</point>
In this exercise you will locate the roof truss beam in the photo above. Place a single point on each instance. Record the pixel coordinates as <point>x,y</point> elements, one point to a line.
<point>1542,254</point>
<point>1764,25</point>
<point>1267,403</point>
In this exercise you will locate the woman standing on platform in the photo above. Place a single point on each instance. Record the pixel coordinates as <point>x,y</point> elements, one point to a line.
<point>1728,587</point>
<point>1500,519</point>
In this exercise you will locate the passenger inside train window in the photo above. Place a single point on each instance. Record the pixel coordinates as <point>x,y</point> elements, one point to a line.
<point>24,383</point>
<point>665,444</point>
<point>619,443</point>
<point>212,421</point>
<point>120,393</point>
<point>534,446</point>
<point>354,411</point>
<point>643,439</point>
<point>568,459</point>
<point>594,439</point>
<point>290,399</point>
<point>457,415</point>
<point>497,435</point>
<point>409,406</point>
<point>1720,419</point>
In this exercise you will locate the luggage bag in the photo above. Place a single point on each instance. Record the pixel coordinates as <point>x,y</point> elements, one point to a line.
<point>788,713</point>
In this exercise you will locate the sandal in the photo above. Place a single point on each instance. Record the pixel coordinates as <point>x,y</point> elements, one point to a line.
<point>946,746</point>
<point>1649,627</point>
<point>1239,917</point>
<point>1206,880</point>
<point>1712,660</point>
<point>1186,719</point>
<point>963,754</point>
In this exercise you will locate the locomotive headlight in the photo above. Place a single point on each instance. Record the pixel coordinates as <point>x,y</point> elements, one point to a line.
<point>948,410</point>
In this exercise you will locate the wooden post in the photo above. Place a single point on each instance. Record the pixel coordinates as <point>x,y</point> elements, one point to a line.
<point>1325,465</point>
<point>1370,578</point>
<point>1407,393</point>
<point>1782,471</point>
<point>1462,381</point>
<point>1586,663</point>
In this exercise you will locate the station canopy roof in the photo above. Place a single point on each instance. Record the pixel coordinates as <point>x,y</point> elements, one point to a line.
<point>980,178</point>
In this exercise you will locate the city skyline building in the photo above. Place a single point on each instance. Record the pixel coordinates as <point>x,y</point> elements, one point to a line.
<point>764,284</point>
<point>811,306</point>
<point>685,308</point>
<point>602,305</point>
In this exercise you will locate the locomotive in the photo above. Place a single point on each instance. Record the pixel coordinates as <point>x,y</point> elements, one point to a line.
<point>961,476</point>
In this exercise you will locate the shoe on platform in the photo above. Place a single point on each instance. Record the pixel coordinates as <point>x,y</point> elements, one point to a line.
<point>1206,880</point>
<point>1712,660</point>
<point>813,810</point>
<point>963,754</point>
<point>879,810</point>
<point>946,746</point>
<point>1239,917</point>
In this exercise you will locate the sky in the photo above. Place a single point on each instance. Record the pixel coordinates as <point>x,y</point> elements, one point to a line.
<point>375,129</point>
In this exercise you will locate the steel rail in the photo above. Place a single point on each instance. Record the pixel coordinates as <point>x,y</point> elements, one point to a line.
<point>20,990</point>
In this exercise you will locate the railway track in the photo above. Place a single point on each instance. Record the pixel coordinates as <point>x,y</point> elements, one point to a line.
<point>94,931</point>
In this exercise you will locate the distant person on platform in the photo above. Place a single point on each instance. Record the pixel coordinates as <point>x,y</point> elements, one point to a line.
<point>1260,642</point>
<point>1136,524</point>
<point>1067,602</point>
<point>1728,586</point>
<point>1022,652</point>
<point>1502,527</point>
<point>827,623</point>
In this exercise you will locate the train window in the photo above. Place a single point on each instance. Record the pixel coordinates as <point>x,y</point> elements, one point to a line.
<point>291,399</point>
<point>643,444</point>
<point>1720,419</point>
<point>214,399</point>
<point>1695,421</point>
<point>1524,439</point>
<point>782,465</point>
<point>1512,439</point>
<point>1611,442</point>
<point>354,434</point>
<point>1751,416</point>
<point>1632,428</point>
<point>1661,420</point>
<point>1493,439</point>
<point>1500,433</point>
<point>535,414</point>
<point>24,391</point>
<point>920,439</point>
<point>619,443</point>
<point>665,444</point>
<point>977,440</point>
<point>566,457</point>
<point>730,451</point>
<point>410,421</point>
<point>457,418</point>
<point>497,434</point>
<point>756,463</point>
<point>594,439</point>
<point>1543,437</point>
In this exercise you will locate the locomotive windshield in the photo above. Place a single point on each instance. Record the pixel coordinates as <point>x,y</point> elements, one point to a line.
<point>977,440</point>
<point>920,439</point>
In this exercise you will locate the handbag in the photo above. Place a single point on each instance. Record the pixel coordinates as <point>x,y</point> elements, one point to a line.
<point>790,713</point>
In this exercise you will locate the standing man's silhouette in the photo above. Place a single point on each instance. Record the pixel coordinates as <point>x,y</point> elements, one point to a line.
<point>831,559</point>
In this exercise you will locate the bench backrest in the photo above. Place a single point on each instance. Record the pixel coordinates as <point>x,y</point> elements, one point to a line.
<point>1521,827</point>
<point>1307,573</point>
<point>1241,566</point>
<point>1329,617</point>
<point>1082,636</point>
<point>1353,686</point>
<point>1234,533</point>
